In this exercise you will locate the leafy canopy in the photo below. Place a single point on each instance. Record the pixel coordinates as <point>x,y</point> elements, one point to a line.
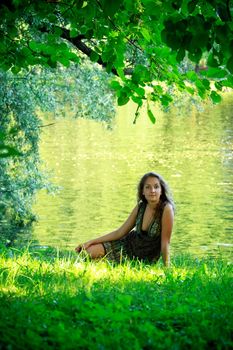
<point>142,42</point>
<point>146,46</point>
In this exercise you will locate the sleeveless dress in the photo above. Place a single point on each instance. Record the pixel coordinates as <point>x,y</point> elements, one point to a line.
<point>138,244</point>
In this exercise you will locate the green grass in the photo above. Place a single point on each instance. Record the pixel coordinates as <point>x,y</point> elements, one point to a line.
<point>60,301</point>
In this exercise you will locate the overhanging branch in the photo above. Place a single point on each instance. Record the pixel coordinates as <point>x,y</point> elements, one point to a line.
<point>81,46</point>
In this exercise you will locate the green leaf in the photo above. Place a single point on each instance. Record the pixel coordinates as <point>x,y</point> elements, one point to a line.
<point>176,4</point>
<point>146,34</point>
<point>34,46</point>
<point>192,5</point>
<point>190,90</point>
<point>152,8</point>
<point>74,32</point>
<point>51,38</point>
<point>63,60</point>
<point>228,82</point>
<point>201,89</point>
<point>173,41</point>
<point>150,114</point>
<point>16,2</point>
<point>51,63</point>
<point>72,57</point>
<point>15,69</point>
<point>212,61</point>
<point>158,89</point>
<point>230,64</point>
<point>192,76</point>
<point>49,49</point>
<point>217,73</point>
<point>3,47</point>
<point>110,7</point>
<point>216,98</point>
<point>25,51</point>
<point>154,96</point>
<point>108,55</point>
<point>57,31</point>
<point>94,56</point>
<point>137,100</point>
<point>163,52</point>
<point>63,47</point>
<point>206,83</point>
<point>12,31</point>
<point>123,99</point>
<point>120,72</point>
<point>51,18</point>
<point>8,151</point>
<point>196,55</point>
<point>140,73</point>
<point>218,85</point>
<point>88,12</point>
<point>180,55</point>
<point>165,100</point>
<point>140,91</point>
<point>2,135</point>
<point>123,95</point>
<point>115,85</point>
<point>109,67</point>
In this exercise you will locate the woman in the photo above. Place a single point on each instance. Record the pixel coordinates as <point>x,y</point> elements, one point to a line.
<point>146,234</point>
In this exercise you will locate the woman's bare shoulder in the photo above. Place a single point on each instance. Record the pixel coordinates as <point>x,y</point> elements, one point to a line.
<point>168,208</point>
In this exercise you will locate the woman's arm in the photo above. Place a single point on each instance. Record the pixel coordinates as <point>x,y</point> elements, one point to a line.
<point>114,235</point>
<point>167,224</point>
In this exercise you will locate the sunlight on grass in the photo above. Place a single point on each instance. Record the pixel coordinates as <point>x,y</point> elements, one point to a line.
<point>49,297</point>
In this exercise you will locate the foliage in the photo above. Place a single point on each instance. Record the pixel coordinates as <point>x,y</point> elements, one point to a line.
<point>162,33</point>
<point>144,43</point>
<point>51,300</point>
<point>19,176</point>
<point>83,90</point>
<point>22,99</point>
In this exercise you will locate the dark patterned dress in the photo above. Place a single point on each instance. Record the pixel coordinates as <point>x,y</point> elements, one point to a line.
<point>138,244</point>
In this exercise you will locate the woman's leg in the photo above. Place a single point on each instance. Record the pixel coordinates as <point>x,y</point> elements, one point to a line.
<point>96,251</point>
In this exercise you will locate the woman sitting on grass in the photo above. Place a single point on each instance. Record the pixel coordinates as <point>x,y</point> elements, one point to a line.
<point>146,234</point>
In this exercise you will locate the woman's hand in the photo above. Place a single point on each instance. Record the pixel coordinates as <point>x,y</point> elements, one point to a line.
<point>114,235</point>
<point>83,246</point>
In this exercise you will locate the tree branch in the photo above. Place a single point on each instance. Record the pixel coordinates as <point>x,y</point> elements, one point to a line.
<point>44,126</point>
<point>81,46</point>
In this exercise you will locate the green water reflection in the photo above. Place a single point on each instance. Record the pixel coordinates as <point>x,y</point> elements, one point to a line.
<point>99,168</point>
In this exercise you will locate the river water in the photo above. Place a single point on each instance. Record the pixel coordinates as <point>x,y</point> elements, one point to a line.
<point>98,168</point>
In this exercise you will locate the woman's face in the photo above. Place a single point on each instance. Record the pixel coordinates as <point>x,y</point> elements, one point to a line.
<point>152,189</point>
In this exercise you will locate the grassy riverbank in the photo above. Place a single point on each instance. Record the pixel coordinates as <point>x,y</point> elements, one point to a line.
<point>56,301</point>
